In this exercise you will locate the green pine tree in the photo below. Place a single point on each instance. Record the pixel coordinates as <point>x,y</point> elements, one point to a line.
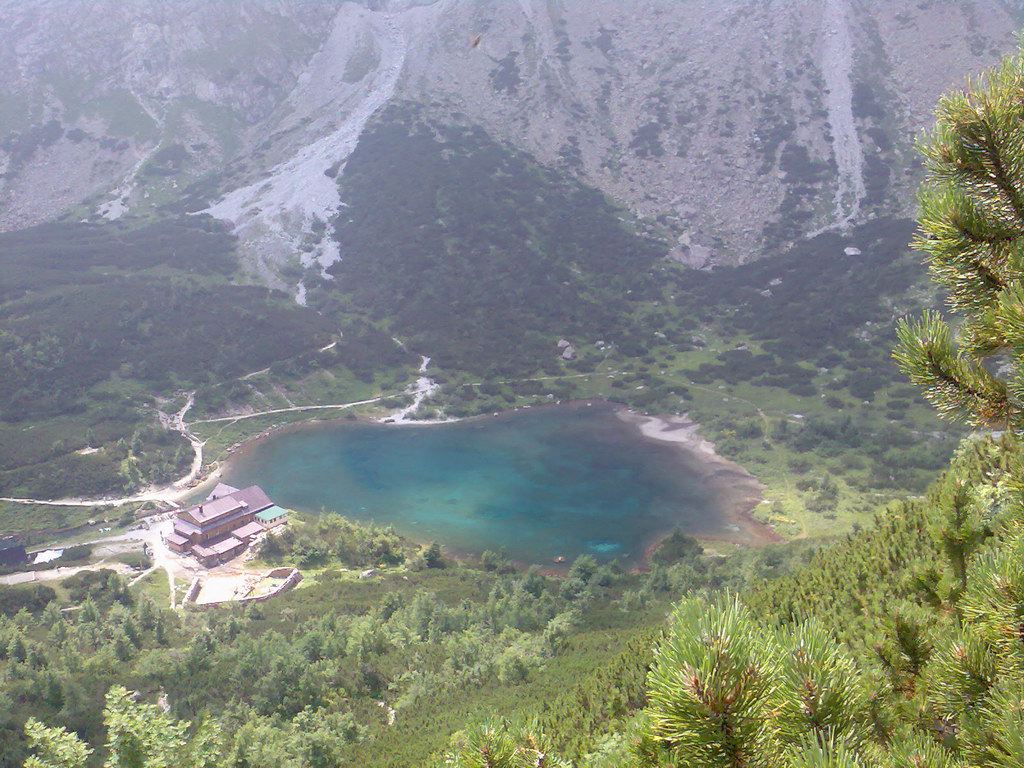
<point>971,226</point>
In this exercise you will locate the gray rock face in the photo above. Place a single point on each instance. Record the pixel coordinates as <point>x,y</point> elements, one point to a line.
<point>91,91</point>
<point>721,120</point>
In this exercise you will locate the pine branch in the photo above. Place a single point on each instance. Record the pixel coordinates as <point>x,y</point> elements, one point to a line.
<point>959,387</point>
<point>976,145</point>
<point>967,254</point>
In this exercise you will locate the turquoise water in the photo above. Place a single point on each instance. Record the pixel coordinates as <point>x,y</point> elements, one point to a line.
<point>542,483</point>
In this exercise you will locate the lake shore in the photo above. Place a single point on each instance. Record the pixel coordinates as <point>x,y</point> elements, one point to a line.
<point>738,490</point>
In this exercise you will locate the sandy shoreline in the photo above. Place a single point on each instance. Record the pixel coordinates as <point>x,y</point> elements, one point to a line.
<point>740,492</point>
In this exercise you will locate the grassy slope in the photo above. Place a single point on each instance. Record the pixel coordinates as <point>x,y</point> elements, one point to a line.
<point>853,585</point>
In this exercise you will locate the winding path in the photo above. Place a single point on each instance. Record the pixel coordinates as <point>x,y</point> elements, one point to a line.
<point>180,488</point>
<point>177,423</point>
<point>293,409</point>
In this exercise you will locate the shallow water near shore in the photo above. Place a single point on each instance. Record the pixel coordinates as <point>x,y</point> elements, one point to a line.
<point>541,483</point>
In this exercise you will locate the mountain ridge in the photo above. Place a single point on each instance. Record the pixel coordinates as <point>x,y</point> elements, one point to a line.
<point>736,129</point>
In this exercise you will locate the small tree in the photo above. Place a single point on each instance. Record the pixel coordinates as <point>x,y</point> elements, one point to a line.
<point>432,556</point>
<point>138,736</point>
<point>726,692</point>
<point>54,747</point>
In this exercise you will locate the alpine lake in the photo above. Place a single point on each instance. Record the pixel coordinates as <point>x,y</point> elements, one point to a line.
<point>544,484</point>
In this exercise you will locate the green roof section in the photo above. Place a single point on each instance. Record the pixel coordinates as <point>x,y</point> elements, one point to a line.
<point>270,514</point>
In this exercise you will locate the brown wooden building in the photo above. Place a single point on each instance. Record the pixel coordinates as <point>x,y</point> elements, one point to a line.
<point>222,526</point>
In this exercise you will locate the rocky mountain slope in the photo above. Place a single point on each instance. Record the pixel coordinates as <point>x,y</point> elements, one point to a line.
<point>118,102</point>
<point>737,126</point>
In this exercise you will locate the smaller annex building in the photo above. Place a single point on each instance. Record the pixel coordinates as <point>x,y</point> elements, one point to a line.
<point>221,527</point>
<point>12,553</point>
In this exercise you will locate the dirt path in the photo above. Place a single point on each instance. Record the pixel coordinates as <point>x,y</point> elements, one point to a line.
<point>32,577</point>
<point>293,409</point>
<point>248,376</point>
<point>261,371</point>
<point>170,582</point>
<point>177,423</point>
<point>142,575</point>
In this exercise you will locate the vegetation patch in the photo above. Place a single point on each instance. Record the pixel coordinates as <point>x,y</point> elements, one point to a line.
<point>475,254</point>
<point>97,321</point>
